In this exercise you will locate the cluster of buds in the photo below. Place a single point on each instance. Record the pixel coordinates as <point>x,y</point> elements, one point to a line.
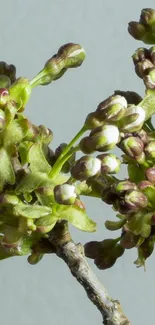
<point>41,188</point>
<point>144,30</point>
<point>144,61</point>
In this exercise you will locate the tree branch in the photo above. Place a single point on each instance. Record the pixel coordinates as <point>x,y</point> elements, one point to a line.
<point>73,255</point>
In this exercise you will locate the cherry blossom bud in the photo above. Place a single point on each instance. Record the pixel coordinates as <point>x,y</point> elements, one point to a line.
<point>110,164</point>
<point>86,167</point>
<point>65,194</point>
<point>133,119</point>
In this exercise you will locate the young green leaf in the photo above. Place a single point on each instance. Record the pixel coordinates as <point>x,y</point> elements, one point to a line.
<point>31,211</point>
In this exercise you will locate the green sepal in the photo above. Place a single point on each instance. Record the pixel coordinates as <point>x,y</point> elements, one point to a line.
<point>77,217</point>
<point>20,91</point>
<point>150,194</point>
<point>31,211</point>
<point>114,225</point>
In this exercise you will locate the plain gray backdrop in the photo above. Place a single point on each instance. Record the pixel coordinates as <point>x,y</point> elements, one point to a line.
<point>31,32</point>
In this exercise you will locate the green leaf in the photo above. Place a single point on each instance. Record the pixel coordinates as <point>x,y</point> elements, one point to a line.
<point>37,160</point>
<point>77,217</point>
<point>46,223</point>
<point>7,174</point>
<point>31,211</point>
<point>15,132</point>
<point>20,91</point>
<point>23,150</point>
<point>30,182</point>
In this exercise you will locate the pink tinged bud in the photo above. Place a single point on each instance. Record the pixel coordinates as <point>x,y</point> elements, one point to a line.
<point>92,121</point>
<point>136,200</point>
<point>110,163</point>
<point>65,194</point>
<point>150,174</point>
<point>143,185</point>
<point>124,186</point>
<point>133,119</point>
<point>132,146</point>
<point>86,167</point>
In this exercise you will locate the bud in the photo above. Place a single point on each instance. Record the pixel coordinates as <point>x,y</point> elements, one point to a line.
<point>144,185</point>
<point>110,164</point>
<point>104,137</point>
<point>20,91</point>
<point>108,196</point>
<point>147,17</point>
<point>5,82</point>
<point>140,54</point>
<point>131,96</point>
<point>150,174</point>
<point>142,68</point>
<point>73,55</point>
<point>150,150</point>
<point>35,258</point>
<point>85,145</point>
<point>132,146</point>
<point>133,119</point>
<point>124,186</point>
<point>68,56</point>
<point>135,200</point>
<point>8,70</point>
<point>149,79</point>
<point>45,134</point>
<point>86,167</point>
<point>104,262</point>
<point>136,30</point>
<point>92,121</point>
<point>65,194</point>
<point>111,109</point>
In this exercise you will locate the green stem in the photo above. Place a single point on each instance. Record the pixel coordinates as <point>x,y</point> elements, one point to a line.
<point>67,152</point>
<point>35,81</point>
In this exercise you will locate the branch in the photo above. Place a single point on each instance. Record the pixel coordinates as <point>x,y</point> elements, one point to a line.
<point>73,255</point>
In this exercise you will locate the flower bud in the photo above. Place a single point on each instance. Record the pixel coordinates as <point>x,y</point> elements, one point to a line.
<point>111,109</point>
<point>104,262</point>
<point>110,164</point>
<point>5,81</point>
<point>149,79</point>
<point>132,146</point>
<point>140,54</point>
<point>142,68</point>
<point>150,174</point>
<point>150,150</point>
<point>73,55</point>
<point>92,121</point>
<point>65,194</point>
<point>86,145</point>
<point>8,70</point>
<point>143,185</point>
<point>131,96</point>
<point>135,200</point>
<point>133,119</point>
<point>86,167</point>
<point>35,258</point>
<point>148,17</point>
<point>136,30</point>
<point>108,196</point>
<point>92,249</point>
<point>124,186</point>
<point>104,137</point>
<point>20,91</point>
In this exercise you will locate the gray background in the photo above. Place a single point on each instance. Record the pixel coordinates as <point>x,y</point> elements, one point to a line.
<point>31,32</point>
